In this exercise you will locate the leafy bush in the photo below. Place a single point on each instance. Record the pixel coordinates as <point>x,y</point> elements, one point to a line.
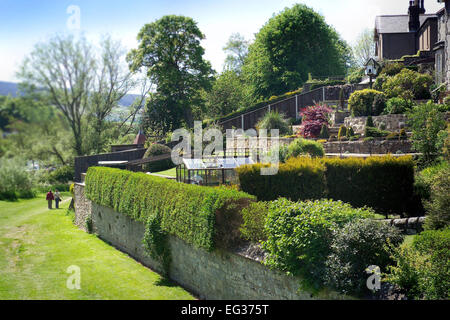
<point>382,183</point>
<point>426,122</point>
<point>299,235</point>
<point>304,147</point>
<point>350,132</point>
<point>297,179</point>
<point>324,133</point>
<point>423,269</point>
<point>438,212</point>
<point>157,150</point>
<point>313,119</point>
<point>369,122</point>
<point>409,85</point>
<point>203,217</point>
<point>274,120</point>
<point>15,181</point>
<point>375,132</point>
<point>397,106</point>
<point>361,102</point>
<point>254,217</point>
<point>357,246</point>
<point>342,132</point>
<point>392,69</point>
<point>379,104</point>
<point>61,175</point>
<point>356,76</point>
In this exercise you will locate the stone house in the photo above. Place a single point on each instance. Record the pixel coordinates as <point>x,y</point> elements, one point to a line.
<point>417,38</point>
<point>441,48</point>
<point>401,35</point>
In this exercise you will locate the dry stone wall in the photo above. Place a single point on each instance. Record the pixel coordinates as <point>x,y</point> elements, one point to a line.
<point>392,122</point>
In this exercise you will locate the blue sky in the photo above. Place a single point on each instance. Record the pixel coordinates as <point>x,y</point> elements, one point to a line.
<point>26,22</point>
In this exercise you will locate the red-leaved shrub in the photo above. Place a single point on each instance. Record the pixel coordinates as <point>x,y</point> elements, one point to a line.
<point>313,119</point>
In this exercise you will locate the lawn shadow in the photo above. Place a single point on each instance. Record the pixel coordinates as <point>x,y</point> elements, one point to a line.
<point>165,282</point>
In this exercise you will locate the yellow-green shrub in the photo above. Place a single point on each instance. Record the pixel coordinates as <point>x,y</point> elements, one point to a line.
<point>383,183</point>
<point>201,216</point>
<point>298,179</point>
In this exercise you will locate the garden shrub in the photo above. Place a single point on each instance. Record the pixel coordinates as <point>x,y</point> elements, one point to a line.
<point>157,150</point>
<point>350,132</point>
<point>378,105</point>
<point>274,120</point>
<point>356,76</point>
<point>324,133</point>
<point>422,269</point>
<point>299,235</point>
<point>357,246</point>
<point>409,85</point>
<point>382,183</point>
<point>61,175</point>
<point>201,216</point>
<point>298,179</point>
<point>301,146</point>
<point>375,132</point>
<point>314,118</point>
<point>438,207</point>
<point>426,122</point>
<point>15,181</point>
<point>361,102</point>
<point>369,122</point>
<point>342,132</point>
<point>397,106</point>
<point>392,69</point>
<point>254,217</point>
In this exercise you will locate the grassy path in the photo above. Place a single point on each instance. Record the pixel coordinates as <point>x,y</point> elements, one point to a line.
<point>37,246</point>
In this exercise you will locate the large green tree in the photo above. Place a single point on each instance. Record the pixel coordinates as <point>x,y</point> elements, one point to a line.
<point>169,51</point>
<point>290,45</point>
<point>228,94</point>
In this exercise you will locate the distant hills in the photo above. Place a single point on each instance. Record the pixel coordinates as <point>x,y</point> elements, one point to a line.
<point>8,88</point>
<point>11,88</point>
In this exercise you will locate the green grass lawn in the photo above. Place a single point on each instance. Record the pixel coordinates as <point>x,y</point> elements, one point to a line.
<point>37,246</point>
<point>170,173</point>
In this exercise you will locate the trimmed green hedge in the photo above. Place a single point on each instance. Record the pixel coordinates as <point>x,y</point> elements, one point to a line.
<point>297,179</point>
<point>201,216</point>
<point>383,183</point>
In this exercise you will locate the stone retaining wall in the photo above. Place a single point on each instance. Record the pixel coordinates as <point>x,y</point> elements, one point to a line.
<point>210,275</point>
<point>82,206</point>
<point>369,147</point>
<point>408,226</point>
<point>392,122</point>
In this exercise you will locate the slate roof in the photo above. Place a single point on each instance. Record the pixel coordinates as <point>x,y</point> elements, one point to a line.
<point>397,23</point>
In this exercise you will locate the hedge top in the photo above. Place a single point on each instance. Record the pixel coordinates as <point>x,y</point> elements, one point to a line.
<point>187,211</point>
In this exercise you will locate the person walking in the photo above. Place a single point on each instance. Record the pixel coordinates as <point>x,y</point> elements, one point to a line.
<point>50,197</point>
<point>58,198</point>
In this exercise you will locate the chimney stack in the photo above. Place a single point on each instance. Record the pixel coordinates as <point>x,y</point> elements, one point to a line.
<point>416,8</point>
